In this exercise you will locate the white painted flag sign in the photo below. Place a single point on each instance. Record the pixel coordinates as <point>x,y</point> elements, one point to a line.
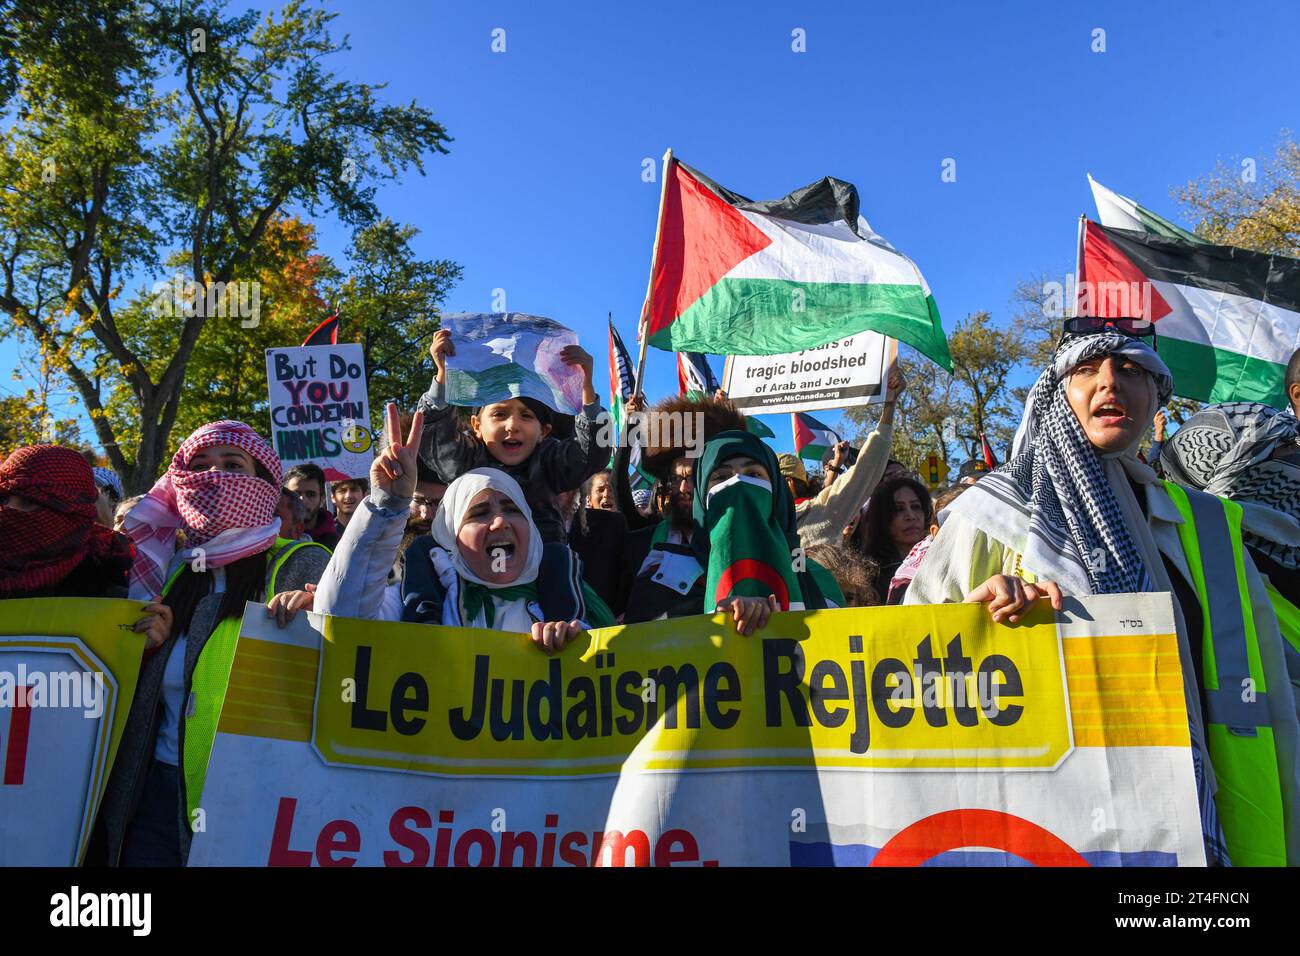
<point>505,355</point>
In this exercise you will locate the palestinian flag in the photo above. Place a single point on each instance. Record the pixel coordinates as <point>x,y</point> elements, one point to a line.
<point>812,439</point>
<point>694,375</point>
<point>989,458</point>
<point>736,277</point>
<point>1120,212</point>
<point>620,390</point>
<point>327,333</point>
<point>1227,320</point>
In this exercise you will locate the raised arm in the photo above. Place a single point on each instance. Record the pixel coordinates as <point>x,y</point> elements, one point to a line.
<point>443,445</point>
<point>622,486</point>
<point>840,501</point>
<point>570,462</point>
<point>354,581</point>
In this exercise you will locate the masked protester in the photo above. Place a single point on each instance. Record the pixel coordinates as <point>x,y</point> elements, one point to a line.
<point>207,541</point>
<point>745,535</point>
<point>1076,511</point>
<point>1250,454</point>
<point>51,544</point>
<point>742,552</point>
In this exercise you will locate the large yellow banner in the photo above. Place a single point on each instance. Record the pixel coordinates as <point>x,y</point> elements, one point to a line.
<point>880,736</point>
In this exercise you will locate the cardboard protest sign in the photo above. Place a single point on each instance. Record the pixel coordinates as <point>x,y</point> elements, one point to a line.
<point>319,408</point>
<point>504,355</point>
<point>67,675</point>
<point>881,736</point>
<point>842,374</point>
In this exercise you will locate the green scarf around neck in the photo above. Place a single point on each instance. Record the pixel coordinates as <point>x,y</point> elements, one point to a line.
<point>745,534</point>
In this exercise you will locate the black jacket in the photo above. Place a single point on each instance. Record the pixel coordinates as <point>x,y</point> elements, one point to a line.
<point>603,552</point>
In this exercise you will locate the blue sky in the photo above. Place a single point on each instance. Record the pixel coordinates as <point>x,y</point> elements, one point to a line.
<point>542,193</point>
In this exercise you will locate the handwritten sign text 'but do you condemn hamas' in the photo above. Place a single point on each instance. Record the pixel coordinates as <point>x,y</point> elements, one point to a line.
<point>319,410</point>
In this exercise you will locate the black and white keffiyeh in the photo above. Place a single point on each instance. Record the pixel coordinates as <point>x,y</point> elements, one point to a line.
<point>1248,452</point>
<point>1052,502</point>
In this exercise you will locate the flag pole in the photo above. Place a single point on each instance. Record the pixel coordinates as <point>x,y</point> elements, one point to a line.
<point>622,423</point>
<point>654,258</point>
<point>1078,264</point>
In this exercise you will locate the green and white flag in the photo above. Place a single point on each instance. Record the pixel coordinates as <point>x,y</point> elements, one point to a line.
<point>1120,212</point>
<point>736,277</point>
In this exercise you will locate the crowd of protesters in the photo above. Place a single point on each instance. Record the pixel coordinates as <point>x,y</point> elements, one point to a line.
<point>515,519</point>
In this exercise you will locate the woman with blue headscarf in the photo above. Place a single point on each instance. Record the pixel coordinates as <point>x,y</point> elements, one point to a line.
<point>1075,511</point>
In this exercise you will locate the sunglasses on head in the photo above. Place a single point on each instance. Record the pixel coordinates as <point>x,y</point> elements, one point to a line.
<point>1091,325</point>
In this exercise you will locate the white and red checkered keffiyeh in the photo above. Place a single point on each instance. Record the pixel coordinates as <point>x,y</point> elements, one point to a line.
<point>222,516</point>
<point>911,564</point>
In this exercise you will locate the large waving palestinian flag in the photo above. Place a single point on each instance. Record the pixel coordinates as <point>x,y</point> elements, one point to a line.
<point>736,277</point>
<point>1227,319</point>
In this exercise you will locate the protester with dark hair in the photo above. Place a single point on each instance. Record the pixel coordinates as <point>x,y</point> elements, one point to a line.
<point>1250,454</point>
<point>51,543</point>
<point>658,542</point>
<point>347,495</point>
<point>598,491</point>
<point>307,481</point>
<point>218,497</point>
<point>428,496</point>
<point>291,511</point>
<point>822,517</point>
<point>902,578</point>
<point>896,519</point>
<point>1076,512</point>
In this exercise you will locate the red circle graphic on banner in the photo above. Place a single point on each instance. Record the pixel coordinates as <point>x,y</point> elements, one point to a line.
<point>955,829</point>
<point>747,569</point>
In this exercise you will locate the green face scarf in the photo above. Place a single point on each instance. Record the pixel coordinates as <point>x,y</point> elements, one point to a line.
<point>745,533</point>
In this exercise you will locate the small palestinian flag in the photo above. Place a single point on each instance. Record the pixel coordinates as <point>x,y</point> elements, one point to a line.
<point>327,333</point>
<point>812,439</point>
<point>620,390</point>
<point>989,458</point>
<point>694,375</point>
<point>736,277</point>
<point>1227,320</point>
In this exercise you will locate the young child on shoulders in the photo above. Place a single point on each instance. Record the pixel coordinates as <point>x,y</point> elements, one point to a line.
<point>515,436</point>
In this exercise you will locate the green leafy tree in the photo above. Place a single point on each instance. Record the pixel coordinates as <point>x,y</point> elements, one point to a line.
<point>390,304</point>
<point>24,420</point>
<point>141,131</point>
<point>944,414</point>
<point>1237,206</point>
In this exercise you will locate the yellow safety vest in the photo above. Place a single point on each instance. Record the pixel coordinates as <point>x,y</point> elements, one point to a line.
<point>1288,622</point>
<point>1239,731</point>
<point>210,679</point>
